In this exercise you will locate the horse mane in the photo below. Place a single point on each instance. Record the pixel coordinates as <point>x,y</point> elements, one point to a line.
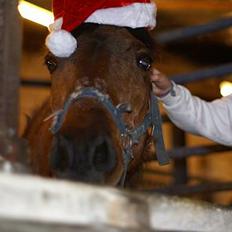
<point>34,115</point>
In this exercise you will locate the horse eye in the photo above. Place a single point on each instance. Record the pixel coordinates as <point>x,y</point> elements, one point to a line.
<point>144,62</point>
<point>51,64</point>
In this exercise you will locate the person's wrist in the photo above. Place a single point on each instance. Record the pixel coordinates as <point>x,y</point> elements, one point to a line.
<point>170,91</point>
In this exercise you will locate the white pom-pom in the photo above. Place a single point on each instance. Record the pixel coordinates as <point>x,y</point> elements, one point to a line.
<point>61,43</point>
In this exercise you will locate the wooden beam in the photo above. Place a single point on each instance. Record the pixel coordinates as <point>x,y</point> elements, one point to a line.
<point>42,205</point>
<point>53,204</point>
<point>178,5</point>
<point>10,49</point>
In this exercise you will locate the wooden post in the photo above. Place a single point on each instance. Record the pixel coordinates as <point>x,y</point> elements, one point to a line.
<point>10,49</point>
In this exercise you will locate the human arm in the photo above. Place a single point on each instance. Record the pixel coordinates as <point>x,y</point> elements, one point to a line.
<point>210,119</point>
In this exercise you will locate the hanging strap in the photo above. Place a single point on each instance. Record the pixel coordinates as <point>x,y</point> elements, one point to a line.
<point>157,134</point>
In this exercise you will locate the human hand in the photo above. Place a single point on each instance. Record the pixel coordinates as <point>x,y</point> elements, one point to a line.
<point>161,85</point>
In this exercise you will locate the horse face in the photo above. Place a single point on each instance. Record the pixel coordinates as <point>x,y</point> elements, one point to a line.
<point>113,60</point>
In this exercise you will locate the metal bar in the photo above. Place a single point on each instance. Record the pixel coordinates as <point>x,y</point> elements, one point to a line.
<point>197,151</point>
<point>180,169</point>
<point>218,71</point>
<point>35,83</point>
<point>189,32</point>
<point>184,190</point>
<point>182,152</point>
<point>154,173</point>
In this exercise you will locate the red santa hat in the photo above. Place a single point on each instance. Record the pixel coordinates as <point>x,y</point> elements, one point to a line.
<point>69,14</point>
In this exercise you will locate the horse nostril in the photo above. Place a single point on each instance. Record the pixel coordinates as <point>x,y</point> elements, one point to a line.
<point>60,156</point>
<point>104,156</point>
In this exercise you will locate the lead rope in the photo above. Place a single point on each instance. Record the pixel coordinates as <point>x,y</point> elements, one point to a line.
<point>157,134</point>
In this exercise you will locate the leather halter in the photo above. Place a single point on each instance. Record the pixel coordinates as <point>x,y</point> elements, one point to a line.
<point>128,137</point>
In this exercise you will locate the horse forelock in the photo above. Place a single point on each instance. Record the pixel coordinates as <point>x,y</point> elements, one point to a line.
<point>142,34</point>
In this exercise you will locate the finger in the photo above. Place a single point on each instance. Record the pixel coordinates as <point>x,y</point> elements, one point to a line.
<point>157,91</point>
<point>156,87</point>
<point>155,71</point>
<point>157,81</point>
<point>155,77</point>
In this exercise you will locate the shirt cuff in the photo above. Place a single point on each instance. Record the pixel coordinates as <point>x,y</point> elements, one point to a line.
<point>172,97</point>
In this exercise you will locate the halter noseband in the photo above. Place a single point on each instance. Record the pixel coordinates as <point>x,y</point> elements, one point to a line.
<point>128,137</point>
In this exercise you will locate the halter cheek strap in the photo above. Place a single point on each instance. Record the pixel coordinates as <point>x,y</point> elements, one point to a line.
<point>128,137</point>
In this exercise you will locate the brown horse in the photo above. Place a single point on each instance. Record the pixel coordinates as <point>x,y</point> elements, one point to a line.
<point>87,146</point>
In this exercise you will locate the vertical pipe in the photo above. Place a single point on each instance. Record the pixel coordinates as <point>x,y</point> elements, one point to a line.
<point>180,165</point>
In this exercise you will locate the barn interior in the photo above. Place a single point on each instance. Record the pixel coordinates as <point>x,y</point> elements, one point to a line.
<point>201,173</point>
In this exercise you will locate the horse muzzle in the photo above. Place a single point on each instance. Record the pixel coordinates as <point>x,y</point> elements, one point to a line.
<point>85,159</point>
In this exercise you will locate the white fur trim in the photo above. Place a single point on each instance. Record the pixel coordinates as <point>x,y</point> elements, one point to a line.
<point>61,43</point>
<point>135,15</point>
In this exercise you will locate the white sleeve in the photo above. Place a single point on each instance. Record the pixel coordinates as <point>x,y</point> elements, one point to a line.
<point>210,119</point>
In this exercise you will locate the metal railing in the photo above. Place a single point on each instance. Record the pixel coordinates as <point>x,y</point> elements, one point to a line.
<point>181,153</point>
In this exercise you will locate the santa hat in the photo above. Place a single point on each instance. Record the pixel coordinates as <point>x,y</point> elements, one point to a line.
<point>69,14</point>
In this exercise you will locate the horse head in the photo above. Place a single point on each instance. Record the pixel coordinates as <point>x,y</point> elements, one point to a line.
<point>101,91</point>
